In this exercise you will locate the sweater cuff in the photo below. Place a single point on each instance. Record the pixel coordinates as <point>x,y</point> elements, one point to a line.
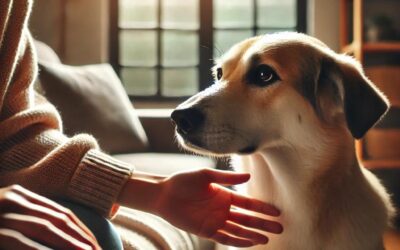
<point>98,181</point>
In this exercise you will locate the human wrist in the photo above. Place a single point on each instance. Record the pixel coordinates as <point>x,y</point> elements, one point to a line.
<point>142,191</point>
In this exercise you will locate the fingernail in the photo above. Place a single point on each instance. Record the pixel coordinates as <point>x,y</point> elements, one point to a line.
<point>273,212</point>
<point>278,229</point>
<point>263,241</point>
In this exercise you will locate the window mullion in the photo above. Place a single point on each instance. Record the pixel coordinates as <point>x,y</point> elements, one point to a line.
<point>206,43</point>
<point>301,24</point>
<point>159,49</point>
<point>255,17</point>
<point>113,48</point>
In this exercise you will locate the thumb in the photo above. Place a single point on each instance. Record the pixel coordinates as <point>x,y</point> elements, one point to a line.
<point>227,177</point>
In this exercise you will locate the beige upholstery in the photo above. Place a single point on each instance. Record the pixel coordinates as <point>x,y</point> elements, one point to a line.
<point>141,230</point>
<point>91,99</point>
<point>165,163</point>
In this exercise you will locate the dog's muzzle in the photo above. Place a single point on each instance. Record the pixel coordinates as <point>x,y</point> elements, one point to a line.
<point>187,120</point>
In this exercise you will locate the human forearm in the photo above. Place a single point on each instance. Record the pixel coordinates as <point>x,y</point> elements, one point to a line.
<point>142,191</point>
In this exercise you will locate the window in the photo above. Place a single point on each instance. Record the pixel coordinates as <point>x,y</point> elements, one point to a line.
<point>164,49</point>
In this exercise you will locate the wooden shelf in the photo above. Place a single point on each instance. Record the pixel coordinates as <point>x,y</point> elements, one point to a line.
<point>377,144</point>
<point>373,164</point>
<point>373,47</point>
<point>348,49</point>
<point>382,47</point>
<point>395,103</point>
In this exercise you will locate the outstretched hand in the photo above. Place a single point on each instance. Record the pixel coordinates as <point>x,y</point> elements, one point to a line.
<point>194,202</point>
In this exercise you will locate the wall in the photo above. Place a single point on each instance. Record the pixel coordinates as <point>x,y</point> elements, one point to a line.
<point>45,25</point>
<point>76,29</point>
<point>323,21</point>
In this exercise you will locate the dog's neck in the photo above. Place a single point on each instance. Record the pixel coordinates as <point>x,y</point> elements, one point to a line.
<point>306,158</point>
<point>293,168</point>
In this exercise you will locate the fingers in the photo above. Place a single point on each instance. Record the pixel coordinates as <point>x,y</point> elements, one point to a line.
<point>24,202</point>
<point>244,233</point>
<point>254,205</point>
<point>255,222</point>
<point>40,230</point>
<point>237,230</point>
<point>226,177</point>
<point>10,239</point>
<point>66,226</point>
<point>40,200</point>
<point>226,239</point>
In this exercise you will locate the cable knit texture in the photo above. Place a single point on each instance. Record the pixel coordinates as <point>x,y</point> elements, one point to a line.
<point>33,151</point>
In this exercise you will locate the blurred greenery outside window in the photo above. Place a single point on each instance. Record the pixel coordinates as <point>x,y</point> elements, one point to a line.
<point>164,48</point>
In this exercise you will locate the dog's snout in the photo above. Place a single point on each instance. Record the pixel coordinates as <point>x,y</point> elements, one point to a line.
<point>187,120</point>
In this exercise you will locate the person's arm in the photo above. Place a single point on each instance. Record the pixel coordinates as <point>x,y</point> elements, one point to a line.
<point>194,202</point>
<point>33,150</point>
<point>30,221</point>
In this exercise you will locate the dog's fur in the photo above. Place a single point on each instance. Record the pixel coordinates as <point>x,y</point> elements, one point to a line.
<point>296,138</point>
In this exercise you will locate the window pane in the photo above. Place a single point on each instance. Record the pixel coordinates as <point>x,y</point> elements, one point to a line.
<point>179,82</point>
<point>138,48</point>
<point>180,48</point>
<point>139,82</point>
<point>270,31</point>
<point>276,13</point>
<point>138,13</point>
<point>180,14</point>
<point>224,39</point>
<point>233,13</point>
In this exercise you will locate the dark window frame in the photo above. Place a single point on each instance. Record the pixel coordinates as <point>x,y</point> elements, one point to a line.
<point>206,42</point>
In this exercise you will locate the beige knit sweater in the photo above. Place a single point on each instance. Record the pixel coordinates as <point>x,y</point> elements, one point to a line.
<point>33,151</point>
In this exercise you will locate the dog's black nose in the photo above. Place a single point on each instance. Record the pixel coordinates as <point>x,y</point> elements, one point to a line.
<point>187,120</point>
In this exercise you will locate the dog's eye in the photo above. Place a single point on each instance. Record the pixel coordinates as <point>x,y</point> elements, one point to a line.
<point>219,73</point>
<point>263,75</point>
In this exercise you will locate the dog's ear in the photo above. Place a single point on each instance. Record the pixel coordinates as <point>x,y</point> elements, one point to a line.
<point>327,93</point>
<point>364,104</point>
<point>341,82</point>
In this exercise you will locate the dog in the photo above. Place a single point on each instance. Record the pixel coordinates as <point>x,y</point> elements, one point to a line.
<point>287,109</point>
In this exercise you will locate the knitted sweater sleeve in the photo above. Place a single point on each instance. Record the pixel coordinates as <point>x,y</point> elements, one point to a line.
<point>33,151</point>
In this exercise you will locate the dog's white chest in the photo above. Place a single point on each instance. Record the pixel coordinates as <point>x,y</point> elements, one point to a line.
<point>287,190</point>
<point>295,217</point>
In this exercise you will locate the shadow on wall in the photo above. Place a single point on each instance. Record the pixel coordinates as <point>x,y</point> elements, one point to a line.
<point>76,30</point>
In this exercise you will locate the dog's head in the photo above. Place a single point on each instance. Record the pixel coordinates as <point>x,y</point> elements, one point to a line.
<point>275,88</point>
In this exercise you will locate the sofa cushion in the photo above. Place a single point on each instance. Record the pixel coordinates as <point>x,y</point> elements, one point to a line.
<point>141,230</point>
<point>91,100</point>
<point>166,163</point>
<point>45,53</point>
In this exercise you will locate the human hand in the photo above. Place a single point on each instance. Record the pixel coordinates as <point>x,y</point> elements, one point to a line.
<point>30,221</point>
<point>194,202</point>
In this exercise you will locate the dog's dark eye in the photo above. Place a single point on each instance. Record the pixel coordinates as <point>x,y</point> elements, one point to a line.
<point>263,75</point>
<point>219,73</point>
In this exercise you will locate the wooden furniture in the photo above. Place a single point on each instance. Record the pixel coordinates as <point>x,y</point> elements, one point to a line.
<point>381,146</point>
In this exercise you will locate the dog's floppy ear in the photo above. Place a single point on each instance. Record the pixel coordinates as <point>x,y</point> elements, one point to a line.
<point>363,104</point>
<point>326,95</point>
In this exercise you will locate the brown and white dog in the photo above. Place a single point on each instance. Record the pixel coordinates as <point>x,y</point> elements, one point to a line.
<point>287,109</point>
